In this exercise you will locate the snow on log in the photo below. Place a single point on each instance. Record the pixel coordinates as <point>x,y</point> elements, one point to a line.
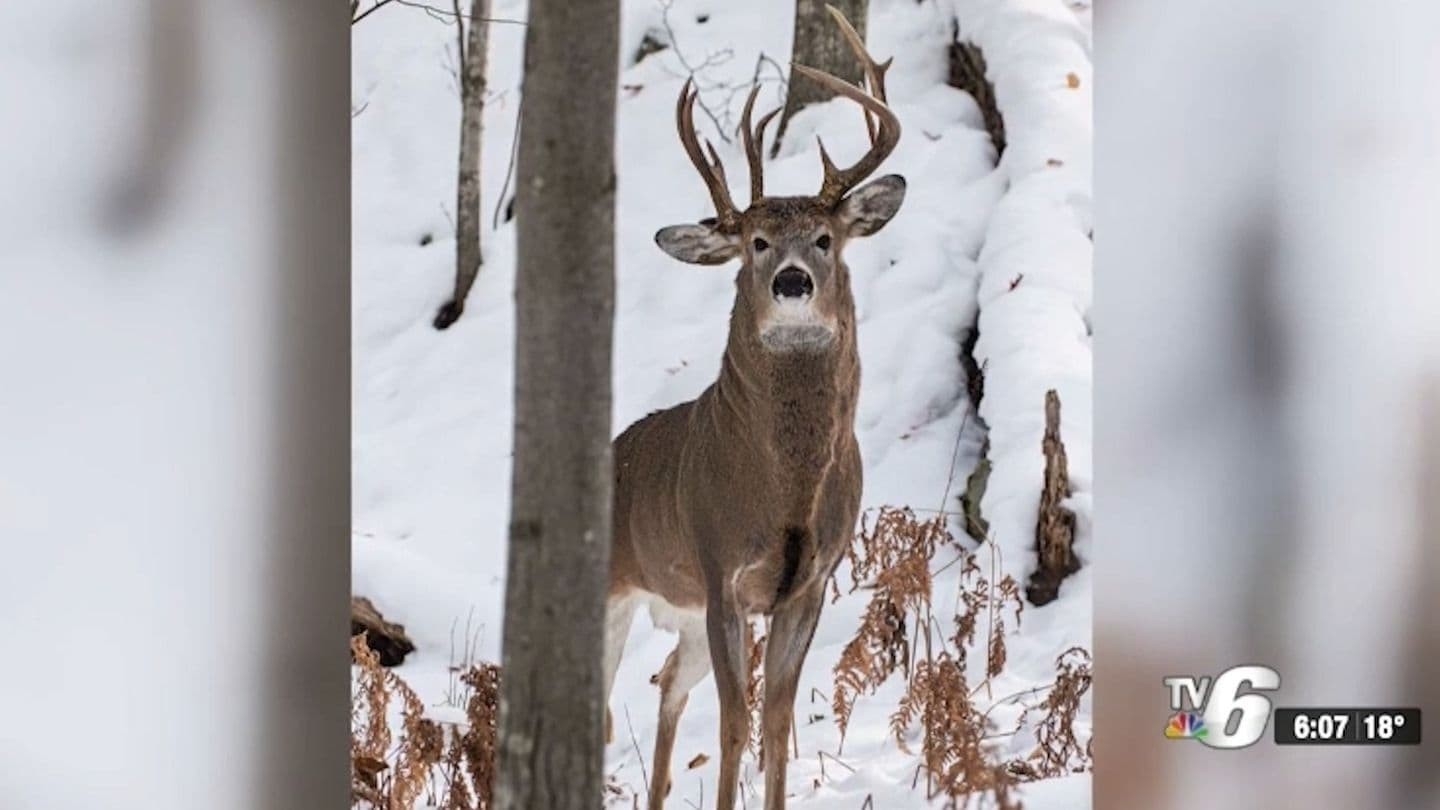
<point>1035,282</point>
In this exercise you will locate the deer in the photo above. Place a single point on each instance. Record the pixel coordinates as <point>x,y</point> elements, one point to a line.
<point>741,502</point>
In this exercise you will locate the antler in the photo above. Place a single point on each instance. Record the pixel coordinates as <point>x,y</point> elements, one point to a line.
<point>884,131</point>
<point>754,145</point>
<point>727,217</point>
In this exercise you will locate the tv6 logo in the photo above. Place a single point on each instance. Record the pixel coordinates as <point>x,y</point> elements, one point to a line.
<point>1228,710</point>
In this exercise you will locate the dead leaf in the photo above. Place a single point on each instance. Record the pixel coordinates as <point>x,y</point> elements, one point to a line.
<point>1072,80</point>
<point>698,761</point>
<point>1053,162</point>
<point>367,768</point>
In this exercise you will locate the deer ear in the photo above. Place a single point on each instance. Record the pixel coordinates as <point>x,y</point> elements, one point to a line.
<point>869,207</point>
<point>698,244</point>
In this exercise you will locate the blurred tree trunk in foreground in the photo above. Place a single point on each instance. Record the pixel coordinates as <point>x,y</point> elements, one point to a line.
<point>819,44</point>
<point>552,718</point>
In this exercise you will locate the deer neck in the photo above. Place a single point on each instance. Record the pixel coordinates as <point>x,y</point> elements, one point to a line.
<point>793,410</point>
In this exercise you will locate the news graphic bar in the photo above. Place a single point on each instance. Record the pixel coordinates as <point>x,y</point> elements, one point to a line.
<point>1347,726</point>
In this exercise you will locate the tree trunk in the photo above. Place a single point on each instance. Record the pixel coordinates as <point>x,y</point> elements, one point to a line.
<point>552,719</point>
<point>474,41</point>
<point>819,44</point>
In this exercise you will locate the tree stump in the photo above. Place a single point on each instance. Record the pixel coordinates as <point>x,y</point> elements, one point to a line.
<point>1055,529</point>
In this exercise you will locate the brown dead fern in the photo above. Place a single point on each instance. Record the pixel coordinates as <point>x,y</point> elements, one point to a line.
<point>1058,749</point>
<point>450,766</point>
<point>954,754</point>
<point>892,558</point>
<point>482,710</point>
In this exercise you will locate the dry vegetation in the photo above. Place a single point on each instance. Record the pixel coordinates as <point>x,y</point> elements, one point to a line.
<point>451,766</point>
<point>899,632</point>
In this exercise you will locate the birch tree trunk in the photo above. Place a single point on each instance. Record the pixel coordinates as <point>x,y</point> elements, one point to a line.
<point>552,718</point>
<point>473,41</point>
<point>819,44</point>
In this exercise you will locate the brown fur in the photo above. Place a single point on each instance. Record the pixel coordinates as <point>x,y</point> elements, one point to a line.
<point>742,501</point>
<point>773,436</point>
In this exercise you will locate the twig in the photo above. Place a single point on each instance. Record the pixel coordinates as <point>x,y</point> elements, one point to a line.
<point>955,454</point>
<point>439,14</point>
<point>701,805</point>
<point>990,631</point>
<point>460,42</point>
<point>509,170</point>
<point>716,58</point>
<point>841,762</point>
<point>645,777</point>
<point>355,4</point>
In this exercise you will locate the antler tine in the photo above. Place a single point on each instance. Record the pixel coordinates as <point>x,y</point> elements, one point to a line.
<point>754,144</point>
<point>718,169</point>
<point>884,131</point>
<point>874,73</point>
<point>876,85</point>
<point>837,182</point>
<point>713,173</point>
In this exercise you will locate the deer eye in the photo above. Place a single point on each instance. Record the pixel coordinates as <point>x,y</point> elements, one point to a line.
<point>761,245</point>
<point>823,242</point>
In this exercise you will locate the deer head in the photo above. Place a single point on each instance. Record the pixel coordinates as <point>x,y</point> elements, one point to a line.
<point>793,281</point>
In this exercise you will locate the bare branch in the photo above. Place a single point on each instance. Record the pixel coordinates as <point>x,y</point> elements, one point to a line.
<point>460,42</point>
<point>355,5</point>
<point>693,71</point>
<point>510,169</point>
<point>439,14</point>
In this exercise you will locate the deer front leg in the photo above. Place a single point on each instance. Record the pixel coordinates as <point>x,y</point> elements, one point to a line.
<point>685,667</point>
<point>725,626</point>
<point>792,626</point>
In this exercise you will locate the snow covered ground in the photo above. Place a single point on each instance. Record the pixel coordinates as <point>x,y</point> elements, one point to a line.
<point>432,410</point>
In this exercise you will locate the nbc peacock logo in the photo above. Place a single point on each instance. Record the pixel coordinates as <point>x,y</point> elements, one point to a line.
<point>1186,726</point>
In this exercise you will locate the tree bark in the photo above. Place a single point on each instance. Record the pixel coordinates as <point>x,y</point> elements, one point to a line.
<point>1055,528</point>
<point>386,638</point>
<point>552,718</point>
<point>474,41</point>
<point>819,44</point>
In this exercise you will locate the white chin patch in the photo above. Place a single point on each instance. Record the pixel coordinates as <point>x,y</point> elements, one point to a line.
<point>794,326</point>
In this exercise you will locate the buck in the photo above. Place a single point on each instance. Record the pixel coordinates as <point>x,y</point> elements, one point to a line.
<point>741,502</point>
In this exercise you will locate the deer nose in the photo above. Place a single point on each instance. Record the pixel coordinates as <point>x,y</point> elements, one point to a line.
<point>792,282</point>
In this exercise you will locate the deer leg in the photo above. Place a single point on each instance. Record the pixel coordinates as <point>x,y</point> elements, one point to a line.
<point>726,628</point>
<point>619,611</point>
<point>792,626</point>
<point>685,667</point>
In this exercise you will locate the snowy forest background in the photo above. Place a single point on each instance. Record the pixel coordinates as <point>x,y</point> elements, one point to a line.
<point>973,304</point>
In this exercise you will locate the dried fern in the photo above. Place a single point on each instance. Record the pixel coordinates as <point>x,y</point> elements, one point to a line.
<point>1058,750</point>
<point>892,558</point>
<point>449,766</point>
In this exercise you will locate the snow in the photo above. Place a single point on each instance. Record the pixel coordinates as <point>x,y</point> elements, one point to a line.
<point>433,410</point>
